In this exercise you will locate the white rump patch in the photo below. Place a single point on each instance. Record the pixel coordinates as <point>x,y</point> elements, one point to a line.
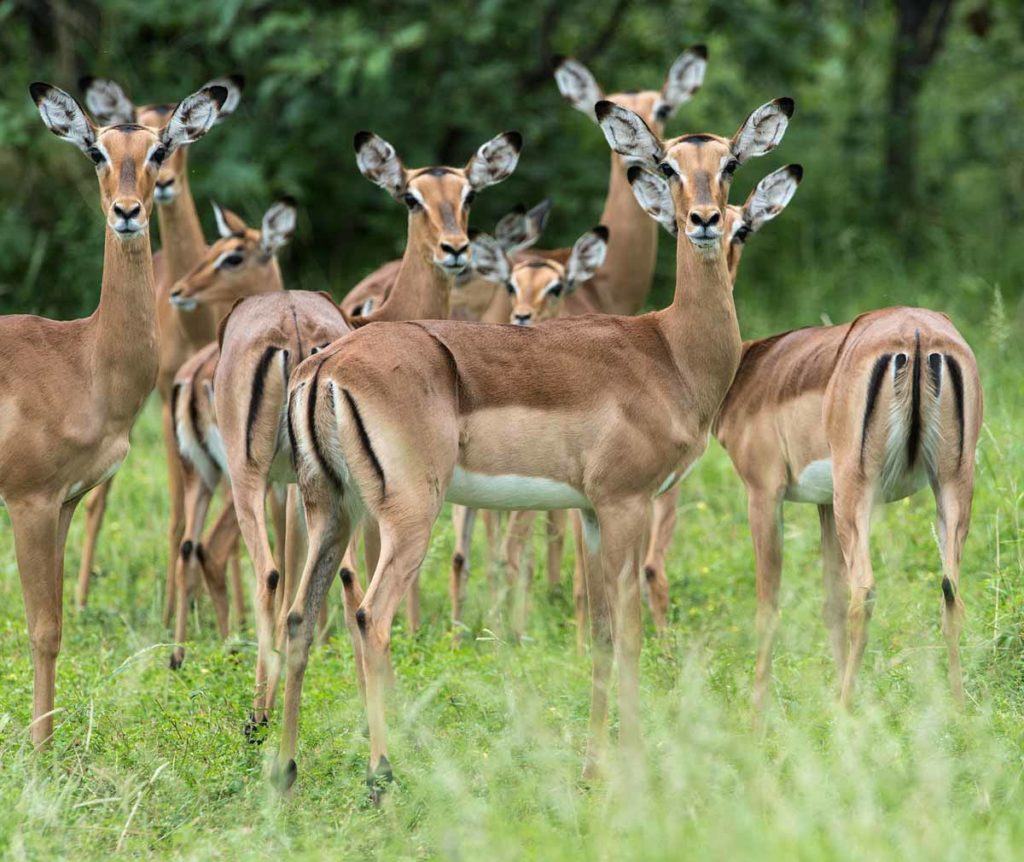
<point>485,491</point>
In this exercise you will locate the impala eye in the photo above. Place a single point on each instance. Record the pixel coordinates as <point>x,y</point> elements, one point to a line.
<point>511,288</point>
<point>159,154</point>
<point>411,202</point>
<point>470,197</point>
<point>730,167</point>
<point>96,155</point>
<point>667,170</point>
<point>232,261</point>
<point>555,290</point>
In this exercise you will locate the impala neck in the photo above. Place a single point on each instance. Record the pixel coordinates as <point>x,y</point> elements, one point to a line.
<point>632,247</point>
<point>421,290</point>
<point>701,326</point>
<point>183,246</point>
<point>124,357</point>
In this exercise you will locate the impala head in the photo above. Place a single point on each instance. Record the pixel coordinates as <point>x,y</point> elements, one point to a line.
<point>683,183</point>
<point>438,198</point>
<point>685,77</point>
<point>766,201</point>
<point>538,286</point>
<point>242,262</point>
<point>109,105</point>
<point>127,156</point>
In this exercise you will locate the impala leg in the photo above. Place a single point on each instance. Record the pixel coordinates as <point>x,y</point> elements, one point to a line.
<point>176,489</point>
<point>294,554</point>
<point>328,536</point>
<point>579,584</point>
<point>463,519</point>
<point>492,546</point>
<point>40,532</point>
<point>663,527</point>
<point>836,604</point>
<point>853,504</point>
<point>197,502</point>
<point>516,553</point>
<point>556,521</point>
<point>352,596</point>
<point>278,505</point>
<point>764,510</point>
<point>953,498</point>
<point>237,588</point>
<point>600,601</point>
<point>95,508</point>
<point>213,556</point>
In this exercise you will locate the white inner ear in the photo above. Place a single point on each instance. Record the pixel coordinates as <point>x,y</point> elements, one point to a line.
<point>587,255</point>
<point>629,136</point>
<point>578,86</point>
<point>191,120</point>
<point>222,225</point>
<point>684,79</point>
<point>379,163</point>
<point>278,227</point>
<point>63,116</point>
<point>492,163</point>
<point>108,103</point>
<point>654,195</point>
<point>489,259</point>
<point>770,197</point>
<point>760,133</point>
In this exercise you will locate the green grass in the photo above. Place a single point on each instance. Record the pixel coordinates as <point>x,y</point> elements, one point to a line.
<point>487,737</point>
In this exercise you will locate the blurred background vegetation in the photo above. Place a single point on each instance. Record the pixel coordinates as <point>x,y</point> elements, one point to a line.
<point>909,124</point>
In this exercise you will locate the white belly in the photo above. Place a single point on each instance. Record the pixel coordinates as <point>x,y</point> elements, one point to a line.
<point>814,485</point>
<point>484,491</point>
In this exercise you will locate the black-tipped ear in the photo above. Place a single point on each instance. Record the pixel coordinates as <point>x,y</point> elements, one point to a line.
<point>700,50</point>
<point>38,90</point>
<point>360,139</point>
<point>515,140</point>
<point>603,109</point>
<point>519,209</point>
<point>473,233</point>
<point>238,80</point>
<point>287,200</point>
<point>85,82</point>
<point>557,60</point>
<point>602,232</point>
<point>796,172</point>
<point>633,172</point>
<point>786,105</point>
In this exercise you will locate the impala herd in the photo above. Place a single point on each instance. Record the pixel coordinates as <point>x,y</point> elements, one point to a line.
<point>362,420</point>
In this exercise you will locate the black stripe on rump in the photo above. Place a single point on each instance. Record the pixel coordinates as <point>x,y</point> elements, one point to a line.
<point>256,397</point>
<point>956,377</point>
<point>175,394</point>
<point>291,426</point>
<point>874,385</point>
<point>314,439</point>
<point>914,436</point>
<point>193,418</point>
<point>364,438</point>
<point>935,367</point>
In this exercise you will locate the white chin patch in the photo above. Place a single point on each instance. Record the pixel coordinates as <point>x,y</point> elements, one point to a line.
<point>184,303</point>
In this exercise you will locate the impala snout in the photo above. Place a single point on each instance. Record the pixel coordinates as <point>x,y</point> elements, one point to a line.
<point>181,297</point>
<point>522,317</point>
<point>704,226</point>
<point>454,255</point>
<point>127,217</point>
<point>165,191</point>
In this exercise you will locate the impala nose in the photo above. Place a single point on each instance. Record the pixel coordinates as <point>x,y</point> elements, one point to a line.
<point>522,319</point>
<point>452,250</point>
<point>703,219</point>
<point>704,226</point>
<point>122,211</point>
<point>126,216</point>
<point>455,254</point>
<point>164,191</point>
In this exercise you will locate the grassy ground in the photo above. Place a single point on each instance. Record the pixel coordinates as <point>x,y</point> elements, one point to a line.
<point>487,737</point>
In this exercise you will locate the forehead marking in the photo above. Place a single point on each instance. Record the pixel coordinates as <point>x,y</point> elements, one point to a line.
<point>128,174</point>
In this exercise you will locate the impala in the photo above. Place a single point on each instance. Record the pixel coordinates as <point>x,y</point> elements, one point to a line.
<point>72,389</point>
<point>396,418</point>
<point>179,335</point>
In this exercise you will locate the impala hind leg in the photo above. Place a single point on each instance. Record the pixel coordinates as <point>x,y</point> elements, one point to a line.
<point>579,583</point>
<point>517,554</point>
<point>556,522</point>
<point>463,520</point>
<point>600,602</point>
<point>95,509</point>
<point>663,527</point>
<point>764,510</point>
<point>187,568</point>
<point>328,533</point>
<point>953,498</point>
<point>853,503</point>
<point>836,604</point>
<point>176,490</point>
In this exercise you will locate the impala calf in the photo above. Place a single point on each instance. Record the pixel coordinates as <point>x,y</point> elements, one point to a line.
<point>395,419</point>
<point>243,262</point>
<point>72,389</point>
<point>846,417</point>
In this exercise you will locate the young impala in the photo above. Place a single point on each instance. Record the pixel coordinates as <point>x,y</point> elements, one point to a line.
<point>396,418</point>
<point>846,417</point>
<point>72,389</point>
<point>243,262</point>
<point>179,334</point>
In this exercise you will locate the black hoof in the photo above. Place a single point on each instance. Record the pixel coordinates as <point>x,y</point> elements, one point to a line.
<point>284,778</point>
<point>378,780</point>
<point>255,731</point>
<point>649,573</point>
<point>176,661</point>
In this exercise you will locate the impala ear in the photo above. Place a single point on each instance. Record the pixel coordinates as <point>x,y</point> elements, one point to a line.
<point>653,194</point>
<point>489,259</point>
<point>106,101</point>
<point>762,131</point>
<point>495,160</point>
<point>193,117</point>
<point>234,85</point>
<point>767,200</point>
<point>278,226</point>
<point>520,228</point>
<point>685,77</point>
<point>578,86</point>
<point>63,115</point>
<point>379,163</point>
<point>228,223</point>
<point>628,135</point>
<point>586,257</point>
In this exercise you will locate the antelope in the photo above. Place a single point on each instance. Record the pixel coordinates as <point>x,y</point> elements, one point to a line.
<point>516,231</point>
<point>394,419</point>
<point>622,284</point>
<point>243,262</point>
<point>764,203</point>
<point>846,417</point>
<point>179,335</point>
<point>72,389</point>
